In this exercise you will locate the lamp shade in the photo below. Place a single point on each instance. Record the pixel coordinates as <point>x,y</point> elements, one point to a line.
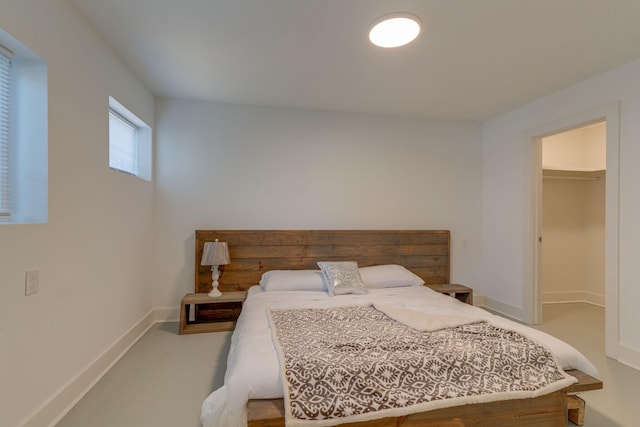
<point>215,253</point>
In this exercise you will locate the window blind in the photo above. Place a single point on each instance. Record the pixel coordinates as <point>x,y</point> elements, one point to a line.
<point>123,144</point>
<point>5,105</point>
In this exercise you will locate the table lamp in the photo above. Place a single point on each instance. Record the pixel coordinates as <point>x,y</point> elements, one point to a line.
<point>215,254</point>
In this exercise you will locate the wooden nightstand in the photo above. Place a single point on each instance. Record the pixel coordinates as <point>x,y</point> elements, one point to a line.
<point>221,312</point>
<point>459,292</point>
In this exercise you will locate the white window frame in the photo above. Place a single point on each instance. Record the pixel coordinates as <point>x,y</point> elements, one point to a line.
<point>6,84</point>
<point>141,156</point>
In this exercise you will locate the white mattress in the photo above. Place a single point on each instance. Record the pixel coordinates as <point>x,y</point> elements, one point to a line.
<point>253,370</point>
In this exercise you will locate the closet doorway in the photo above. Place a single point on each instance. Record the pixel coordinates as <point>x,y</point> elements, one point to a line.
<point>572,250</point>
<point>608,116</point>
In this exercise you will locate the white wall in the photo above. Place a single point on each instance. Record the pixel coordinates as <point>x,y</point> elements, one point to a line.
<point>93,254</point>
<point>239,167</point>
<point>507,196</point>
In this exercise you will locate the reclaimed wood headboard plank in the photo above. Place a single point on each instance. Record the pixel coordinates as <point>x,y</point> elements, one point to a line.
<point>253,252</point>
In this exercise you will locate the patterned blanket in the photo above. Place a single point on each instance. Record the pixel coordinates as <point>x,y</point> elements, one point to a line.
<point>355,363</point>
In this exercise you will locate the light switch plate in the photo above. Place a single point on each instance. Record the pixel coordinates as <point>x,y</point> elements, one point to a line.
<point>31,282</point>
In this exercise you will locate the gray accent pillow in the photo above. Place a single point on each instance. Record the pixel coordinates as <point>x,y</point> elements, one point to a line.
<point>343,277</point>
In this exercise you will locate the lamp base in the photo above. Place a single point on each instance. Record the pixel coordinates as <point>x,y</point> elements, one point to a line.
<point>215,274</point>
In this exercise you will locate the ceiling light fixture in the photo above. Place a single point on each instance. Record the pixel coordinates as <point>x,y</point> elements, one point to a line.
<point>394,29</point>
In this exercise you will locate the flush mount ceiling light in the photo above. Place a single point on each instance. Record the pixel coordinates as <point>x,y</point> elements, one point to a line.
<point>394,29</point>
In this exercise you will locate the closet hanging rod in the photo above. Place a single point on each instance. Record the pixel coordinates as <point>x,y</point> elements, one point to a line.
<point>574,178</point>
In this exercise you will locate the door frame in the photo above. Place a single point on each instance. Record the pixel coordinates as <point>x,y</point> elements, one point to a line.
<point>609,113</point>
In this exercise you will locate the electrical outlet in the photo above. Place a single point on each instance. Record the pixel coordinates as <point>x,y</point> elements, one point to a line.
<point>32,282</point>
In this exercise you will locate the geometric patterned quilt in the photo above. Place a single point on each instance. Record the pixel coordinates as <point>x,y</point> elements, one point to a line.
<point>354,363</point>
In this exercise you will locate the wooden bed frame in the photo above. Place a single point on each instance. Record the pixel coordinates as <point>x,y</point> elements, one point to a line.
<point>425,252</point>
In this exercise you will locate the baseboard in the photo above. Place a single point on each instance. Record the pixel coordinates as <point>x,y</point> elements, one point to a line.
<point>499,307</point>
<point>53,410</point>
<point>562,297</point>
<point>517,313</point>
<point>623,353</point>
<point>630,357</point>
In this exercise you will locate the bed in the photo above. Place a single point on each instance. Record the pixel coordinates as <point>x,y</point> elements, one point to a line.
<point>254,383</point>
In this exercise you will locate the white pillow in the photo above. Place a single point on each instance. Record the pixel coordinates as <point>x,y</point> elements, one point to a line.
<point>389,276</point>
<point>292,280</point>
<point>342,277</point>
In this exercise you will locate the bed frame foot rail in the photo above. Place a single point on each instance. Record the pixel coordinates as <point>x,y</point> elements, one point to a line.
<point>549,410</point>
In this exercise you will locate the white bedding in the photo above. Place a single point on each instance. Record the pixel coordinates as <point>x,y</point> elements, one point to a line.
<point>253,369</point>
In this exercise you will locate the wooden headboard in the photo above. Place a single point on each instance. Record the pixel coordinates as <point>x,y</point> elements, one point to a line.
<point>253,252</point>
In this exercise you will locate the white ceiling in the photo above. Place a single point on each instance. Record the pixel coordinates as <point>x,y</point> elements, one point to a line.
<point>473,60</point>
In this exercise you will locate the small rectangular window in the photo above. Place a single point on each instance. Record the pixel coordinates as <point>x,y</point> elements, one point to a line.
<point>123,144</point>
<point>24,130</point>
<point>129,142</point>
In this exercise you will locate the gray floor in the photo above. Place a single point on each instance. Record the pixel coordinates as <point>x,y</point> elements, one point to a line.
<point>164,378</point>
<point>160,382</point>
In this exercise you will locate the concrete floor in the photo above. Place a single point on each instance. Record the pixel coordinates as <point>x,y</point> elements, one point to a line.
<point>160,382</point>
